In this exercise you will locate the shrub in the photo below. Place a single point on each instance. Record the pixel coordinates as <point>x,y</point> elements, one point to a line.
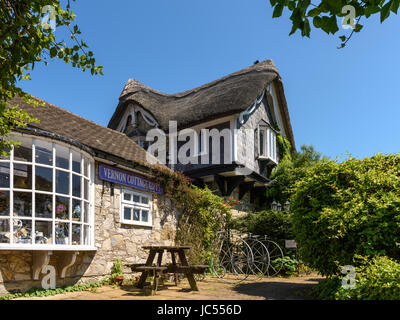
<point>377,279</point>
<point>289,265</point>
<point>116,269</point>
<point>201,213</point>
<point>204,213</point>
<point>276,224</point>
<point>341,210</point>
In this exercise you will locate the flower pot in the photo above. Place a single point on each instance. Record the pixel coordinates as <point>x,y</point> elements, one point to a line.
<point>118,280</point>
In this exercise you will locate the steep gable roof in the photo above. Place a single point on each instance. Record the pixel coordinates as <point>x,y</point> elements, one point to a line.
<point>229,95</point>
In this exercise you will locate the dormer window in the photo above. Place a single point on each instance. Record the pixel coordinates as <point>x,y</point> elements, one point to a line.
<point>267,143</point>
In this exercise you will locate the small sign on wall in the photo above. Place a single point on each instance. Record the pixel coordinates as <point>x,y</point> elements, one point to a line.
<point>290,244</point>
<point>128,179</point>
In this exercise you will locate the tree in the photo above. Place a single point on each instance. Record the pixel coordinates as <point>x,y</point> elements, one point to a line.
<point>290,170</point>
<point>26,38</point>
<point>324,15</point>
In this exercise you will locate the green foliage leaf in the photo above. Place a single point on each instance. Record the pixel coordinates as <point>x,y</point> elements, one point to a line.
<point>277,11</point>
<point>358,28</point>
<point>385,12</point>
<point>25,42</point>
<point>395,6</point>
<point>341,210</point>
<point>314,12</point>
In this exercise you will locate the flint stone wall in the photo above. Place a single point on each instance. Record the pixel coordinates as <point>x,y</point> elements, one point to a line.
<point>112,240</point>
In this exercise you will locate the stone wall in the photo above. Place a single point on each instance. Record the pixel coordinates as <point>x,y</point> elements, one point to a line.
<point>112,240</point>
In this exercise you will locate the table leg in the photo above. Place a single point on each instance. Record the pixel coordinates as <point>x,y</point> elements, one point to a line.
<point>149,262</point>
<point>155,283</point>
<point>159,260</point>
<point>174,264</point>
<point>189,274</point>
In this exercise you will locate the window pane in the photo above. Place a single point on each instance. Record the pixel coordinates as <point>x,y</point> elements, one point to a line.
<point>4,175</point>
<point>136,214</point>
<point>43,152</point>
<point>262,143</point>
<point>86,189</point>
<point>43,179</point>
<point>43,205</point>
<point>145,215</point>
<point>22,231</point>
<point>127,196</point>
<point>22,176</point>
<point>76,210</point>
<point>62,208</point>
<point>23,204</point>
<point>76,186</point>
<point>4,231</point>
<point>62,182</point>
<point>76,161</point>
<point>145,200</point>
<point>62,233</point>
<point>4,203</point>
<point>136,198</point>
<point>62,157</point>
<point>24,151</point>
<point>274,146</point>
<point>2,157</point>
<point>86,167</point>
<point>86,235</point>
<point>270,142</point>
<point>76,234</point>
<point>43,232</point>
<point>86,214</point>
<point>127,213</point>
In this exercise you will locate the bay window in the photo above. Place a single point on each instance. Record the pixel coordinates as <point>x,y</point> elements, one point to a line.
<point>267,144</point>
<point>45,198</point>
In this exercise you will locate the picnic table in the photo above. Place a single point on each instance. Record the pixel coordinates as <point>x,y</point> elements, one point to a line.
<point>175,268</point>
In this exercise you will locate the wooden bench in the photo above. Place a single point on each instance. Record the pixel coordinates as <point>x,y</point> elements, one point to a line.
<point>196,269</point>
<point>133,266</point>
<point>156,270</point>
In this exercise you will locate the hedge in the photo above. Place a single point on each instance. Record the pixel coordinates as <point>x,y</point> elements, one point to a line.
<point>341,210</point>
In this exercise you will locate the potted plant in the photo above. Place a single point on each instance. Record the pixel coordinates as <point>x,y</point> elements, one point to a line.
<point>116,272</point>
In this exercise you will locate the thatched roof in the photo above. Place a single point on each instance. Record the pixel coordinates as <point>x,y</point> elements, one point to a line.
<point>228,95</point>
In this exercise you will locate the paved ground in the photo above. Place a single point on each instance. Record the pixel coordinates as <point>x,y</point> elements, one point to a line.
<point>211,288</point>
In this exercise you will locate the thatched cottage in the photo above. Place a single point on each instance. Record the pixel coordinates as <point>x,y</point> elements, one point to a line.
<point>76,195</point>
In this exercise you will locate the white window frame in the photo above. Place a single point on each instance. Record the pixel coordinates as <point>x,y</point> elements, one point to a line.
<point>269,147</point>
<point>89,224</point>
<point>137,205</point>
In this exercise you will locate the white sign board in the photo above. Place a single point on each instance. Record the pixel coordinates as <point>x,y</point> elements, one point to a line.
<point>290,244</point>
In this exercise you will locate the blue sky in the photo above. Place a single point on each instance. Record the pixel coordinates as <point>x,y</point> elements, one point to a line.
<point>339,100</point>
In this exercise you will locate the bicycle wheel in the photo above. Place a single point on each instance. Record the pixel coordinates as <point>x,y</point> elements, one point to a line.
<point>243,259</point>
<point>261,257</point>
<point>231,262</point>
<point>276,257</point>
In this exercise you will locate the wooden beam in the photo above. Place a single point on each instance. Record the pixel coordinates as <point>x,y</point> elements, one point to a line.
<point>257,192</point>
<point>244,188</point>
<point>199,183</point>
<point>220,180</point>
<point>232,183</point>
